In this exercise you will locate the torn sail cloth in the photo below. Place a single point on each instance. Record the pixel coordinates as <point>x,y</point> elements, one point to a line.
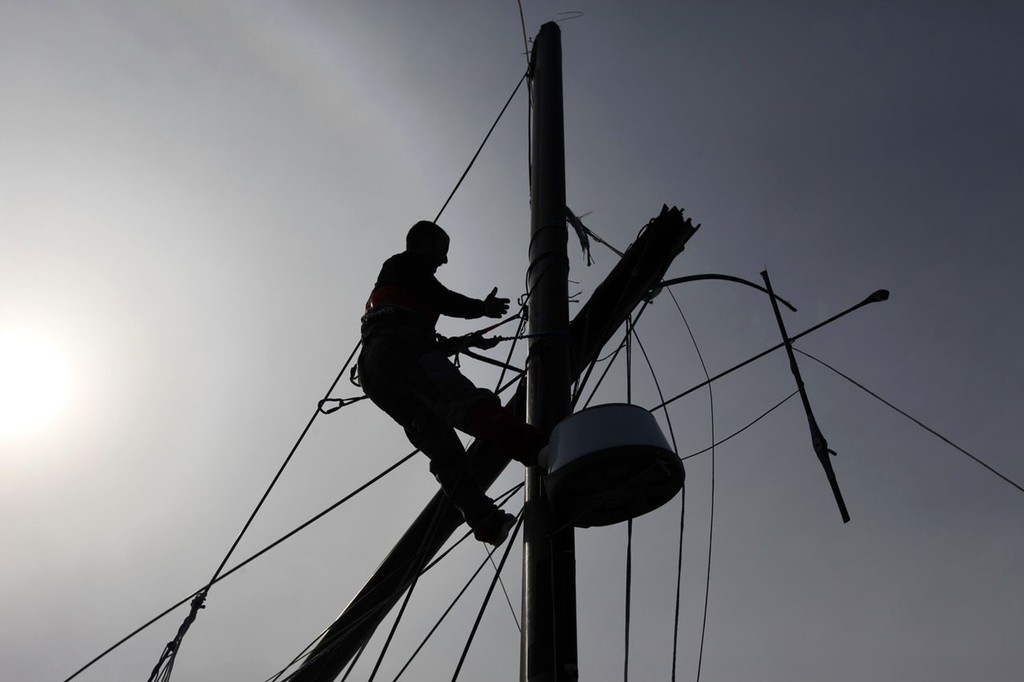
<point>407,295</point>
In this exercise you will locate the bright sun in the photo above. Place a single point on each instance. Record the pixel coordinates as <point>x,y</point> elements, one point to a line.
<point>34,383</point>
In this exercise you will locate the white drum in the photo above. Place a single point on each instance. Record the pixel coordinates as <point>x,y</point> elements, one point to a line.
<point>610,463</point>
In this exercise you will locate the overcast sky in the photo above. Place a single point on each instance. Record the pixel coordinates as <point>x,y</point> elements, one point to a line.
<point>196,196</point>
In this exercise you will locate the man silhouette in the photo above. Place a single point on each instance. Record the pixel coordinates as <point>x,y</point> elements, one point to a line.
<point>404,369</point>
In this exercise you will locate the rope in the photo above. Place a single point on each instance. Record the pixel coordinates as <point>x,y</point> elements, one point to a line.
<point>487,597</point>
<point>927,428</point>
<point>480,148</point>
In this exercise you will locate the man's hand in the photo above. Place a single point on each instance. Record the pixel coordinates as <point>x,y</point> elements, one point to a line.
<point>477,340</point>
<point>494,306</point>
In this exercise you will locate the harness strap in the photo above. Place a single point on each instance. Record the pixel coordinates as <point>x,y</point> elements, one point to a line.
<point>401,297</point>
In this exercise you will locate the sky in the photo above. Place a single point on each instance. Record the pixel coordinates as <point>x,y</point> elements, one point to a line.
<point>195,198</point>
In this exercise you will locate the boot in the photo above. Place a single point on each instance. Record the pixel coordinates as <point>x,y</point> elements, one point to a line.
<point>494,528</point>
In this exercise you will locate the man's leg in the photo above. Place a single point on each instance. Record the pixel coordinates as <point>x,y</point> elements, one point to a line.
<point>449,465</point>
<point>473,410</point>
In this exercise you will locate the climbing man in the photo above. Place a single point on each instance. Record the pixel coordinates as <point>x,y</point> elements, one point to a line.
<point>404,369</point>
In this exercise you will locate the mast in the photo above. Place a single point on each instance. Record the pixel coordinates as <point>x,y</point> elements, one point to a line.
<point>548,644</point>
<point>561,354</point>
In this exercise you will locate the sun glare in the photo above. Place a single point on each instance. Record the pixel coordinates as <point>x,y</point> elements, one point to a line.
<point>34,383</point>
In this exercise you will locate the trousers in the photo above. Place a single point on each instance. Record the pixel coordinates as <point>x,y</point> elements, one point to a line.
<point>422,390</point>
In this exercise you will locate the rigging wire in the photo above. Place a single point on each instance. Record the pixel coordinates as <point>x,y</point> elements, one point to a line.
<point>487,597</point>
<point>736,433</point>
<point>502,500</point>
<point>711,520</point>
<point>247,561</point>
<point>629,522</point>
<point>164,665</point>
<point>682,509</point>
<point>629,592</point>
<point>916,421</point>
<point>269,547</point>
<point>604,373</point>
<point>508,599</point>
<point>276,676</point>
<point>878,296</point>
<point>421,558</point>
<point>352,665</point>
<point>166,662</point>
<point>277,476</point>
<point>526,43</point>
<point>437,624</point>
<point>481,147</point>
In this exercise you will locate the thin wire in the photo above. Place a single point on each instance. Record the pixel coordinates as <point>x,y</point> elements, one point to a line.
<point>285,464</point>
<point>508,599</point>
<point>736,433</point>
<point>629,591</point>
<point>480,148</point>
<point>682,507</point>
<point>276,676</point>
<point>600,379</point>
<point>512,348</point>
<point>490,556</point>
<point>711,520</point>
<point>500,502</point>
<point>526,44</point>
<point>421,559</point>
<point>501,377</point>
<point>916,421</point>
<point>487,598</point>
<point>629,523</point>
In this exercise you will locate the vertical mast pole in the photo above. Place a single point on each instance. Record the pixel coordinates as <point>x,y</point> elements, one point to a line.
<point>548,644</point>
